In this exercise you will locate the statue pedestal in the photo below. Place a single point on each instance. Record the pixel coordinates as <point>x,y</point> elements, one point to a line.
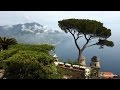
<point>82,61</point>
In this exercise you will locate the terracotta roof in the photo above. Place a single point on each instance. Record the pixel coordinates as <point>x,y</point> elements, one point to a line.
<point>108,73</point>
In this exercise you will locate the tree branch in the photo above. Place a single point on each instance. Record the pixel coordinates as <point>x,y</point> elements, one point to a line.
<point>75,39</point>
<point>76,42</point>
<point>91,45</point>
<point>78,37</point>
<point>85,37</point>
<point>70,32</point>
<point>85,45</point>
<point>88,39</point>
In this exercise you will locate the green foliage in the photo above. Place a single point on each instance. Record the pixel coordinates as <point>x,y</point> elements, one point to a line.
<point>34,55</point>
<point>31,47</point>
<point>59,74</point>
<point>52,71</point>
<point>7,53</point>
<point>105,42</point>
<point>85,26</point>
<point>23,69</point>
<point>5,42</point>
<point>25,65</point>
<point>1,65</point>
<point>18,67</point>
<point>23,61</point>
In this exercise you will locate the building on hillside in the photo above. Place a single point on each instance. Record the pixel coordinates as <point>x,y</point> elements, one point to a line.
<point>106,75</point>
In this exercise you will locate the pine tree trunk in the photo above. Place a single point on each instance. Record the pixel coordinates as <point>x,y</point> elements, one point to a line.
<point>79,55</point>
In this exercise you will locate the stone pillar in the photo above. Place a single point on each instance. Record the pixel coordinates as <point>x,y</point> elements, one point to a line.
<point>82,61</point>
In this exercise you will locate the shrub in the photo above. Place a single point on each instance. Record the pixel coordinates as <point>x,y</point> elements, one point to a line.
<point>39,56</point>
<point>1,64</point>
<point>7,53</point>
<point>29,65</point>
<point>31,47</point>
<point>25,61</point>
<point>18,69</point>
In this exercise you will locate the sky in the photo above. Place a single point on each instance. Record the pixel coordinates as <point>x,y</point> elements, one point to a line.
<point>51,18</point>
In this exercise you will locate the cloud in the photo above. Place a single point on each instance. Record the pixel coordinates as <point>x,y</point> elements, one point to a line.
<point>28,18</point>
<point>51,18</point>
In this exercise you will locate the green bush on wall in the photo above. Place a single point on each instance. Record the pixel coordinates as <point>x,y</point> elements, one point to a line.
<point>30,64</point>
<point>25,61</point>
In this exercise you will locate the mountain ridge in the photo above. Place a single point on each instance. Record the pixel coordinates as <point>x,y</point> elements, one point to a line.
<point>31,28</point>
<point>32,33</point>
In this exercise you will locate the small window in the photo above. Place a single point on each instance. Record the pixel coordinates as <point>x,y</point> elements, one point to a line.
<point>95,64</point>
